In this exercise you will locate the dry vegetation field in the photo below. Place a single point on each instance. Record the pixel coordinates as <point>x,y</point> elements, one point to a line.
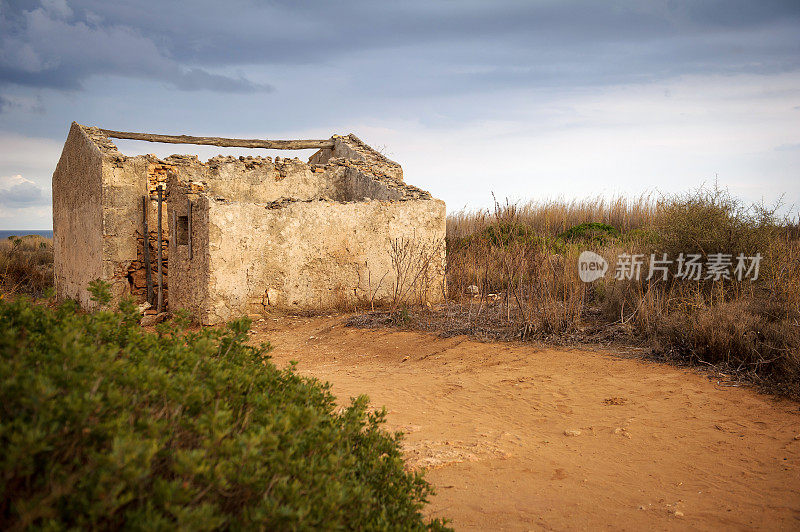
<point>26,265</point>
<point>512,273</point>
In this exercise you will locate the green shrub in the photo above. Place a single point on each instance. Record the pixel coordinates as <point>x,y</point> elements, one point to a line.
<point>710,220</point>
<point>504,233</point>
<point>105,426</point>
<point>591,232</point>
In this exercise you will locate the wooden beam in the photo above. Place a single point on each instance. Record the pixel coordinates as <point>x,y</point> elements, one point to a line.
<point>223,142</point>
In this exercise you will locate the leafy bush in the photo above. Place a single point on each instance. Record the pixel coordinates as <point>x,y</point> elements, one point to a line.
<point>504,233</point>
<point>591,232</point>
<point>710,220</point>
<point>105,426</point>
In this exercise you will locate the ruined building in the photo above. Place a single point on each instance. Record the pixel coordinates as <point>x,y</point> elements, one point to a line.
<point>241,235</point>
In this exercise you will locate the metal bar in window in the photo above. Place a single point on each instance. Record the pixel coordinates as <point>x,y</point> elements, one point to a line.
<point>146,250</point>
<point>189,225</point>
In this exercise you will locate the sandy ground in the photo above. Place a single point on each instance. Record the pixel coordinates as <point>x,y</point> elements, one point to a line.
<point>517,438</point>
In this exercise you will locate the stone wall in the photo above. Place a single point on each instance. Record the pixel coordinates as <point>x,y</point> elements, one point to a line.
<point>188,273</point>
<point>285,234</point>
<point>97,216</point>
<point>137,270</point>
<point>158,172</point>
<point>266,233</point>
<point>352,148</point>
<point>320,254</point>
<point>77,217</point>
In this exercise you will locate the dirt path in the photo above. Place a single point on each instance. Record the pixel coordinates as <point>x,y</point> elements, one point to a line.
<point>518,438</point>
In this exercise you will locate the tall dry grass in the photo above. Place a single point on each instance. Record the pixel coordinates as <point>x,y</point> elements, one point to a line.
<point>553,217</point>
<point>515,268</point>
<point>26,265</point>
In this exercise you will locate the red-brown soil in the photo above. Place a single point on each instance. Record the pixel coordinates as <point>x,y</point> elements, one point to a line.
<point>518,437</point>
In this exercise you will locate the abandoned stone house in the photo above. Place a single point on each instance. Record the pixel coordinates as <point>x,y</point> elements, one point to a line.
<point>241,235</point>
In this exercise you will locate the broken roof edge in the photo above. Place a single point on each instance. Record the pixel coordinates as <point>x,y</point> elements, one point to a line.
<point>366,147</point>
<point>343,146</point>
<point>338,146</point>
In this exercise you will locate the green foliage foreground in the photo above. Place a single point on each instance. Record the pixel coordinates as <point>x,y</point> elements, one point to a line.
<point>105,426</point>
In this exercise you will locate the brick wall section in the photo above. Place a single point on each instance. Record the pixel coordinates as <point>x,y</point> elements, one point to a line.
<point>157,174</point>
<point>137,270</point>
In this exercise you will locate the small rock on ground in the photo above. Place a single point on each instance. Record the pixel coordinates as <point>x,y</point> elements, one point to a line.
<point>148,320</point>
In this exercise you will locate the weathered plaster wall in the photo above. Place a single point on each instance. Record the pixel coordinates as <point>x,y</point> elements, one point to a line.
<point>265,233</point>
<point>97,215</point>
<point>77,217</point>
<point>188,273</point>
<point>358,184</point>
<point>125,181</point>
<point>316,254</point>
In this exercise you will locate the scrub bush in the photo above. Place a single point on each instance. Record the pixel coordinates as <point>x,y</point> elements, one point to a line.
<point>593,232</point>
<point>104,426</point>
<point>512,273</point>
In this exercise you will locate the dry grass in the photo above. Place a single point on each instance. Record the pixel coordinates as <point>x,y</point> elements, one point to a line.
<point>513,272</point>
<point>551,218</point>
<point>26,265</point>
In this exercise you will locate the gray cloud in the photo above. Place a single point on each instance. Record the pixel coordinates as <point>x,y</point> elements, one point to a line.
<point>50,46</point>
<point>9,102</point>
<point>245,31</point>
<point>510,32</point>
<point>435,46</point>
<point>19,192</point>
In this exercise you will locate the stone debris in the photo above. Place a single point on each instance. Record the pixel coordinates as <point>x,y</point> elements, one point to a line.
<point>622,432</point>
<point>615,401</point>
<point>427,455</point>
<point>148,320</point>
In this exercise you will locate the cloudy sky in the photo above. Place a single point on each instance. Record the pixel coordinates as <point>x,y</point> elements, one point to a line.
<point>529,100</point>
